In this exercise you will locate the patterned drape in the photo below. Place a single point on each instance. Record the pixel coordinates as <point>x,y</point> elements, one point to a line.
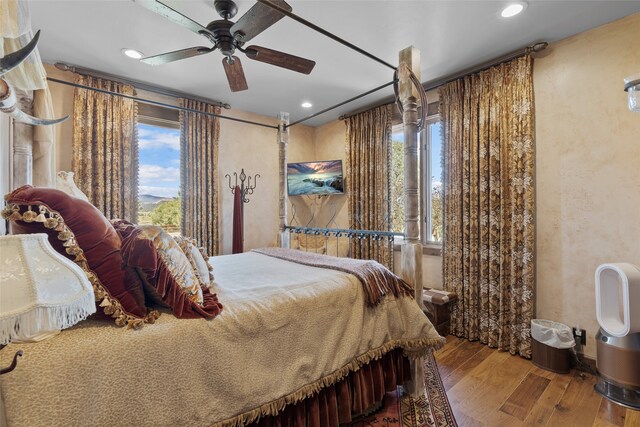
<point>199,164</point>
<point>489,204</point>
<point>105,147</point>
<point>368,166</point>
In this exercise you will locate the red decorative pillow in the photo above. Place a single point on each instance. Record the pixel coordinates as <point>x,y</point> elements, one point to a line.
<point>79,231</point>
<point>169,277</point>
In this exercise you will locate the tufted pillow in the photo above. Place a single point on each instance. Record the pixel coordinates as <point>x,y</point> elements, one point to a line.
<point>65,182</point>
<point>168,275</point>
<point>198,259</point>
<point>79,231</point>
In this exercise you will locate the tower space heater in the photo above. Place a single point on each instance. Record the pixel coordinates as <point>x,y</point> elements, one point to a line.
<point>618,341</point>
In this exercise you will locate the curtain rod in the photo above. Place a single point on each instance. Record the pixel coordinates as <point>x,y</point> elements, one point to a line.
<point>161,104</point>
<point>343,102</point>
<point>138,84</point>
<point>433,84</point>
<point>534,48</point>
<point>386,101</point>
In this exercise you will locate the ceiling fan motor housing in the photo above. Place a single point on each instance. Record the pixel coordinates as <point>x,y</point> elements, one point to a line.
<point>224,40</point>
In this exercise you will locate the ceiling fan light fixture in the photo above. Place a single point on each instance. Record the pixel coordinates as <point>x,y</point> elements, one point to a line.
<point>132,53</point>
<point>306,104</point>
<point>513,9</point>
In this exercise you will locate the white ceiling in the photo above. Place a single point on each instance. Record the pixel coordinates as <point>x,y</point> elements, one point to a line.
<point>451,35</point>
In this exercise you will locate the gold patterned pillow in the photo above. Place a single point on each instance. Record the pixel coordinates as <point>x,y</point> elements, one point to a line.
<point>174,259</point>
<point>198,259</point>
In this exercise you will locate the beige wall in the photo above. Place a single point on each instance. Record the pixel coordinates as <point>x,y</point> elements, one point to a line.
<point>328,144</point>
<point>253,148</point>
<point>587,167</point>
<point>62,96</point>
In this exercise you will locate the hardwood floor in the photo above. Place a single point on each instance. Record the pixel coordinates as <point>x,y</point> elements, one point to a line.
<point>492,388</point>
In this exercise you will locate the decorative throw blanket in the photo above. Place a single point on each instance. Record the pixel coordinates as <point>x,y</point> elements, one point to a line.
<point>376,279</point>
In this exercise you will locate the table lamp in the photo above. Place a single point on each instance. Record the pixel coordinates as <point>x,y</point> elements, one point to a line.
<point>41,291</point>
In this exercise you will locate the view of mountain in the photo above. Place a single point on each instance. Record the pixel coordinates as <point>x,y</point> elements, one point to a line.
<point>148,202</point>
<point>148,198</point>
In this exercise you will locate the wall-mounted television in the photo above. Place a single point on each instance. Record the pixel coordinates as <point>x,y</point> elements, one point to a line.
<point>319,178</point>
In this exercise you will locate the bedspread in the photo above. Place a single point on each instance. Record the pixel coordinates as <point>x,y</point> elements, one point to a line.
<point>286,331</point>
<point>377,281</point>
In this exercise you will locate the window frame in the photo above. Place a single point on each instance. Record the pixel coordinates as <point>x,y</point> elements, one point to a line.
<point>430,247</point>
<point>425,181</point>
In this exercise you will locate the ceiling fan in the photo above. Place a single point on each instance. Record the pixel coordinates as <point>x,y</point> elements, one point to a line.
<point>228,36</point>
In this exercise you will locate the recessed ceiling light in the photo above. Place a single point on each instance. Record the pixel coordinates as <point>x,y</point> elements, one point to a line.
<point>513,9</point>
<point>306,104</point>
<point>132,53</point>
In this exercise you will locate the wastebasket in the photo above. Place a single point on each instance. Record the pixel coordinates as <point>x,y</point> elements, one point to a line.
<point>551,345</point>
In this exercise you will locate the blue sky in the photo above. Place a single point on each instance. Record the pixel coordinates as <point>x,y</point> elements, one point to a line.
<point>159,160</point>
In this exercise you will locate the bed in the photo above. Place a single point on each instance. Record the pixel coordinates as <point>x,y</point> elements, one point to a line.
<point>294,345</point>
<point>287,331</point>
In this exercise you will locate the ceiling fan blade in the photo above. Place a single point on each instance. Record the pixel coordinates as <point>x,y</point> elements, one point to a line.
<point>175,17</point>
<point>235,74</point>
<point>280,59</point>
<point>176,55</point>
<point>257,19</point>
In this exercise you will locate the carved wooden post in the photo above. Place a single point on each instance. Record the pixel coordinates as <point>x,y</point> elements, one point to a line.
<point>23,143</point>
<point>411,265</point>
<point>283,141</point>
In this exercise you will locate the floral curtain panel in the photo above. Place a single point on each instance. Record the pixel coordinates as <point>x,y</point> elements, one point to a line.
<point>199,136</point>
<point>489,204</point>
<point>105,147</point>
<point>368,168</point>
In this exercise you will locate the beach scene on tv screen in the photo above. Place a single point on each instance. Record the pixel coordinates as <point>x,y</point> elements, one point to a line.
<point>315,178</point>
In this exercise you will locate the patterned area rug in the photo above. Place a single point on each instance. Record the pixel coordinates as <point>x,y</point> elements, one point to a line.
<point>401,410</point>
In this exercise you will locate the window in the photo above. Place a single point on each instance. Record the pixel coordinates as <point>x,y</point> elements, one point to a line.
<point>432,182</point>
<point>430,166</point>
<point>159,176</point>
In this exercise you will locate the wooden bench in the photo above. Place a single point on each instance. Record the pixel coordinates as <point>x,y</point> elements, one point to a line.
<point>436,306</point>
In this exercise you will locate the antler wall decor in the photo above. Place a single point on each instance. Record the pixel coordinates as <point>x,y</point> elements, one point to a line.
<point>8,100</point>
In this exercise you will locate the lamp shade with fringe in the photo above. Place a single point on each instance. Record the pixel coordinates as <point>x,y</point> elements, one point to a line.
<point>41,291</point>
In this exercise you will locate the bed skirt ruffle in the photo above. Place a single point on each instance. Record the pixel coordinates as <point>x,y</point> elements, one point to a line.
<point>357,393</point>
